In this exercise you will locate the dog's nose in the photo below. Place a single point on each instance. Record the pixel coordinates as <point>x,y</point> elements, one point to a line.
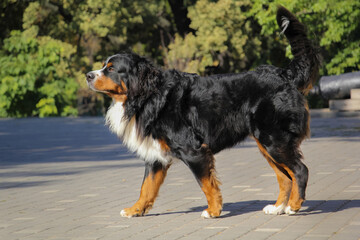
<point>90,76</point>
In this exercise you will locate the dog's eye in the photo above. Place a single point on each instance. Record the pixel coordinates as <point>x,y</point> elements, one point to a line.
<point>111,69</point>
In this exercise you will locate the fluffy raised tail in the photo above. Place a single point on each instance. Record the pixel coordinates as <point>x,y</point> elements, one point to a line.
<point>304,68</point>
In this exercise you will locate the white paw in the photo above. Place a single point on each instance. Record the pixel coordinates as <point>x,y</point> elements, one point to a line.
<point>289,211</point>
<point>205,214</point>
<point>272,209</point>
<point>123,214</point>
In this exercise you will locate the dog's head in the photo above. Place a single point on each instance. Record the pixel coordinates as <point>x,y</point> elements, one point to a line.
<point>124,76</point>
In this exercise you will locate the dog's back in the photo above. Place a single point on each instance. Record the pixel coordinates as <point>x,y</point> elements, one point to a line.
<point>259,103</point>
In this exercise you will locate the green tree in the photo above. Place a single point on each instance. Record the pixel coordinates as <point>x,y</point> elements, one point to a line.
<point>57,41</point>
<point>97,29</point>
<point>333,25</point>
<point>35,75</point>
<point>236,35</point>
<point>11,12</point>
<point>225,39</point>
<point>100,28</point>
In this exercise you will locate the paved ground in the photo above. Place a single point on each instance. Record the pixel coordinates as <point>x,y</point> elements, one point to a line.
<point>69,179</point>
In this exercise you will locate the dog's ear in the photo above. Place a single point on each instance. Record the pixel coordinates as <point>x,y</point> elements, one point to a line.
<point>149,77</point>
<point>154,95</point>
<point>144,94</point>
<point>143,79</point>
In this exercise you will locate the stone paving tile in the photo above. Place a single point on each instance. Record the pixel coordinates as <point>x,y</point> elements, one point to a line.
<point>69,178</point>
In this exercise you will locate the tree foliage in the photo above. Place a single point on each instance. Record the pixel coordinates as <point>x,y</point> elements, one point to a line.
<point>223,38</point>
<point>333,25</point>
<point>36,78</point>
<point>47,45</point>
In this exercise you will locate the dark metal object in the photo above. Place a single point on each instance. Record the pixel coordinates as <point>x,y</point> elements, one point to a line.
<point>337,87</point>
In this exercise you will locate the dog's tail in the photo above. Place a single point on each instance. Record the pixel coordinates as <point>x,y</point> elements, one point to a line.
<point>304,67</point>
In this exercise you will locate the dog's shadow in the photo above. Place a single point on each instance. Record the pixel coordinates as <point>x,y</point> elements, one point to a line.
<point>310,207</point>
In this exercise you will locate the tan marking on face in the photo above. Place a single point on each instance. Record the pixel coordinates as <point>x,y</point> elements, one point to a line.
<point>115,91</point>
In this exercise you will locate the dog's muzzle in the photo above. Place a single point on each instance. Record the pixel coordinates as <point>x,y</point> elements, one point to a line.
<point>90,76</point>
<point>91,79</point>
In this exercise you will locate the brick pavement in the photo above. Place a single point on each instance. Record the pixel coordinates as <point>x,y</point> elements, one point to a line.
<point>69,179</point>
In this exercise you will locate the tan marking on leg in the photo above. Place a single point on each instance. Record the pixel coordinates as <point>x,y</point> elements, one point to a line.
<point>210,186</point>
<point>295,201</point>
<point>149,191</point>
<point>285,183</point>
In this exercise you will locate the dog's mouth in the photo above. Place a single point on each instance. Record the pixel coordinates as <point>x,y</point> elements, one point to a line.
<point>92,87</point>
<point>106,91</point>
<point>96,90</point>
<point>113,92</point>
<point>97,82</point>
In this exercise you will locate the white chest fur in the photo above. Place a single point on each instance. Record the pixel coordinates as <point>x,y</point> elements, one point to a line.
<point>147,148</point>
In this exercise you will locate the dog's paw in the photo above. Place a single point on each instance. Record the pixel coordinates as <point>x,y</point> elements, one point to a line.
<point>205,214</point>
<point>209,214</point>
<point>273,210</point>
<point>123,213</point>
<point>128,213</point>
<point>289,211</point>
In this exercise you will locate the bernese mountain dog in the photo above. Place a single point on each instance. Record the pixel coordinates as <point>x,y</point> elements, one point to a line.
<point>168,115</point>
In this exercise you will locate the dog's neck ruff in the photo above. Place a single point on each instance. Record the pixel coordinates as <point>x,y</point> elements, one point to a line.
<point>147,148</point>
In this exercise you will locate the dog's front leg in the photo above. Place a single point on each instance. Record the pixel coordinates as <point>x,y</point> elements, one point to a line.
<point>203,167</point>
<point>153,178</point>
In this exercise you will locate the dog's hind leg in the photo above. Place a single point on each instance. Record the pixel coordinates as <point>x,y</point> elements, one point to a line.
<point>285,159</point>
<point>299,174</point>
<point>154,176</point>
<point>203,167</point>
<point>289,158</point>
<point>285,184</point>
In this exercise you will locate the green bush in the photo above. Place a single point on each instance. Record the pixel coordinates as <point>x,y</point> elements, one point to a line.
<point>36,78</point>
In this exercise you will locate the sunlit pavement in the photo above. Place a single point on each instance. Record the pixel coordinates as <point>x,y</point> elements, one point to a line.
<point>68,178</point>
